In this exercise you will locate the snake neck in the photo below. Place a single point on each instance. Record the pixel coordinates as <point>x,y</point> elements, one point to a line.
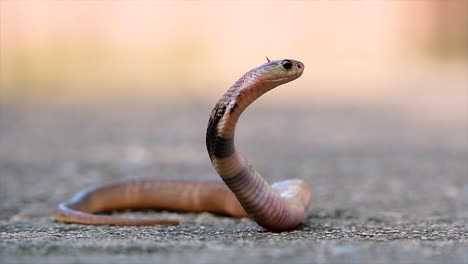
<point>226,113</point>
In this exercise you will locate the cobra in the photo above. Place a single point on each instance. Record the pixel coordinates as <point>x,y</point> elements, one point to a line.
<point>242,191</point>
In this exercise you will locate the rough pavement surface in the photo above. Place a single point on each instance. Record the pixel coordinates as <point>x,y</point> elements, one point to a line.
<point>388,186</point>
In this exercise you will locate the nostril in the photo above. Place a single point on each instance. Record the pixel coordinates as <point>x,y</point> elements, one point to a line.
<point>299,66</point>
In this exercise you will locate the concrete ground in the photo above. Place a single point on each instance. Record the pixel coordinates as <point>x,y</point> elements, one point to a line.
<point>388,186</point>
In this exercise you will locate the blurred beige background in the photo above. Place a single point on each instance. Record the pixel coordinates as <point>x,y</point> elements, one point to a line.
<point>412,54</point>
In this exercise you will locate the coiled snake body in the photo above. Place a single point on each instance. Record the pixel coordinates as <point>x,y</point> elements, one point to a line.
<point>244,192</point>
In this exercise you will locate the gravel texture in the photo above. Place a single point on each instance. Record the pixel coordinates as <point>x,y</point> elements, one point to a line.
<point>388,186</point>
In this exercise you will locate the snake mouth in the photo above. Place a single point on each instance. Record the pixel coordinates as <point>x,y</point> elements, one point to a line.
<point>286,78</point>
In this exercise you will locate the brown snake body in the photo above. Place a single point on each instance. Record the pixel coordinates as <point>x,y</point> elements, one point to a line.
<point>244,192</point>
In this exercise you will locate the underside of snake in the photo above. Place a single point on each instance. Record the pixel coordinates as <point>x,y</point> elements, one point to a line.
<point>244,193</point>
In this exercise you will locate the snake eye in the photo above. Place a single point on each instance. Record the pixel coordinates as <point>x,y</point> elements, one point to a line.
<point>287,64</point>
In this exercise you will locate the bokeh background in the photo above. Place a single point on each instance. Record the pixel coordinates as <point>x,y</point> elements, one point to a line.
<point>411,54</point>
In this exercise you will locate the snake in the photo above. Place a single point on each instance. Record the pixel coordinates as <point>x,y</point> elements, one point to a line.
<point>243,192</point>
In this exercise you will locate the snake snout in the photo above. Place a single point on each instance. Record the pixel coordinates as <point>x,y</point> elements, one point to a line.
<point>299,65</point>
